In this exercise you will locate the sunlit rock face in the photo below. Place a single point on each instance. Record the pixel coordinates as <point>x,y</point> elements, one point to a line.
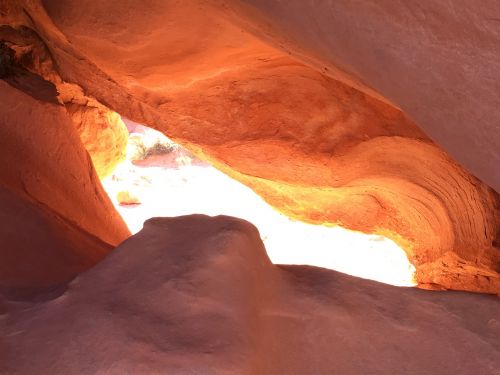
<point>342,157</point>
<point>101,130</point>
<point>319,145</point>
<point>103,134</point>
<point>161,179</point>
<point>435,60</point>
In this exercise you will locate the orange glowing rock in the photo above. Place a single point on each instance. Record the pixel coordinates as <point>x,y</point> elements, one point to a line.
<point>182,189</point>
<point>55,218</point>
<point>125,197</point>
<point>326,125</point>
<point>103,134</point>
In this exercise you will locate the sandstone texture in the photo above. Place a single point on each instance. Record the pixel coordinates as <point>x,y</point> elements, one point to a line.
<point>437,61</point>
<point>101,130</point>
<point>56,219</point>
<point>339,114</point>
<point>379,116</point>
<point>198,295</point>
<point>103,134</point>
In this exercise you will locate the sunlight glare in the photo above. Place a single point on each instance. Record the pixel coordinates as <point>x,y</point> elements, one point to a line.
<point>188,189</point>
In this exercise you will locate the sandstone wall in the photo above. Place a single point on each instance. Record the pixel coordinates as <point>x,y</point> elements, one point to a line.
<point>321,144</point>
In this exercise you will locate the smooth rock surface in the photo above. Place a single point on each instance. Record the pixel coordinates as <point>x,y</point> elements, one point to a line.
<point>56,219</point>
<point>198,295</point>
<point>437,61</point>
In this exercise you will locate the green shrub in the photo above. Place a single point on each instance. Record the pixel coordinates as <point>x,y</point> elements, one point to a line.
<point>139,151</point>
<point>136,148</point>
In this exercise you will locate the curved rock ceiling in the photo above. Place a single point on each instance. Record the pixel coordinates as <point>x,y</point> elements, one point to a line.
<point>435,60</point>
<point>326,110</point>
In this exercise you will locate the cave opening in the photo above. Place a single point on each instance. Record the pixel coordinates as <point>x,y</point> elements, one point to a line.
<point>160,178</point>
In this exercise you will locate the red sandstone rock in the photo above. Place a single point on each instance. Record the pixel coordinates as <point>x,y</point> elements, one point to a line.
<point>198,295</point>
<point>56,218</point>
<point>40,249</point>
<point>125,197</point>
<point>437,61</point>
<point>315,148</point>
<point>103,134</point>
